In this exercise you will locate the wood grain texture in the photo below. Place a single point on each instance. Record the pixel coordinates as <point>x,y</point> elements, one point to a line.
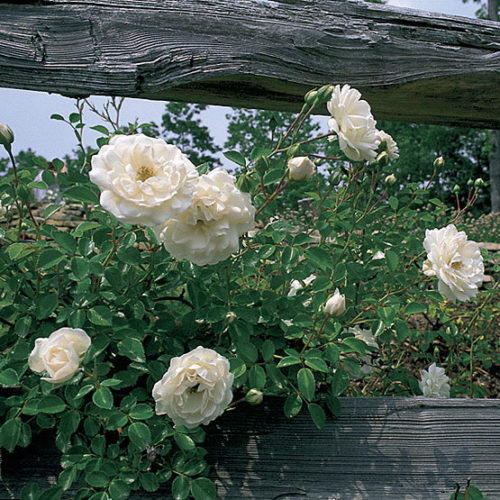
<point>379,448</point>
<point>410,65</point>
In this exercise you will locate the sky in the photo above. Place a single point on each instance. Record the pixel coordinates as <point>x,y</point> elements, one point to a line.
<point>28,113</point>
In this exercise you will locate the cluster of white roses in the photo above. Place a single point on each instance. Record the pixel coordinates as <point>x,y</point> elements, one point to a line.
<point>148,182</point>
<point>195,390</point>
<point>353,123</point>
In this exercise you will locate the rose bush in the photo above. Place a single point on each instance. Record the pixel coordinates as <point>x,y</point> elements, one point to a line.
<point>181,286</point>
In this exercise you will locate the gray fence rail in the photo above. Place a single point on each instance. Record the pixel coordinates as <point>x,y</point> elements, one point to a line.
<point>379,448</point>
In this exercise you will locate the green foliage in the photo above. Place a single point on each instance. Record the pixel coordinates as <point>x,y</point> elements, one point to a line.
<point>260,308</point>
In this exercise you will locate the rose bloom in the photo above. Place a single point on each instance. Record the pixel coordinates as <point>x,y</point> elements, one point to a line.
<point>208,232</point>
<point>196,388</point>
<point>434,383</point>
<point>456,262</point>
<point>335,305</point>
<point>60,354</point>
<point>143,180</point>
<point>389,145</point>
<point>353,123</point>
<point>300,168</point>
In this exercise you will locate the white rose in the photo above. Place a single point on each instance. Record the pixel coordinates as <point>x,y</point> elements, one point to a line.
<point>456,262</point>
<point>209,230</point>
<point>335,305</point>
<point>143,180</point>
<point>353,123</point>
<point>296,285</point>
<point>196,388</point>
<point>300,167</point>
<point>60,354</point>
<point>434,383</point>
<point>389,145</point>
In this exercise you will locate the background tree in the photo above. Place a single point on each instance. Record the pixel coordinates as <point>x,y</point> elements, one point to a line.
<point>491,10</point>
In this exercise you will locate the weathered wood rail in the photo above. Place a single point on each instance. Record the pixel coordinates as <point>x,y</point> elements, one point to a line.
<point>379,448</point>
<point>410,65</point>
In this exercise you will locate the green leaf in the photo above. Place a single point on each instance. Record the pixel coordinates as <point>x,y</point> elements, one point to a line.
<point>203,488</point>
<point>83,227</point>
<point>17,251</point>
<point>55,116</point>
<point>289,361</point>
<point>273,176</point>
<point>139,434</point>
<point>9,434</point>
<point>317,414</point>
<point>307,385</point>
<point>103,398</point>
<point>74,117</point>
<point>257,377</point>
<point>80,267</point>
<point>100,315</point>
<point>80,193</point>
<point>392,260</point>
<point>100,128</point>
<point>353,344</point>
<point>119,490</point>
<point>393,203</point>
<point>340,382</point>
<point>180,488</point>
<point>51,210</point>
<point>149,481</point>
<point>317,364</point>
<point>65,240</point>
<point>247,351</point>
<point>30,492</point>
<point>9,377</point>
<point>293,405</point>
<point>333,404</point>
<point>49,258</point>
<point>84,390</point>
<point>268,350</point>
<point>51,404</point>
<point>51,494</point>
<point>45,305</point>
<point>132,349</point>
<point>236,157</point>
<point>415,308</point>
<point>320,257</point>
<point>97,479</point>
<point>184,442</point>
<point>141,412</point>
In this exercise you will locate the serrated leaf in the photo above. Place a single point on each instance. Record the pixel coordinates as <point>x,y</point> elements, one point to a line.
<point>84,226</point>
<point>119,490</point>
